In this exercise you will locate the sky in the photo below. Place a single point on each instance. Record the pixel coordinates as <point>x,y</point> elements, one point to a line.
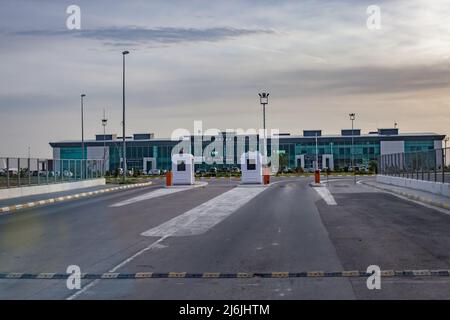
<point>208,60</point>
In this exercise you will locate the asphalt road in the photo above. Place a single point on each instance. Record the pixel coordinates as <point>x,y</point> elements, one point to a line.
<point>224,228</point>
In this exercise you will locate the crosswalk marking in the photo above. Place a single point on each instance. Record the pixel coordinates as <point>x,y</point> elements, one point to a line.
<point>200,219</point>
<point>326,195</point>
<point>156,193</point>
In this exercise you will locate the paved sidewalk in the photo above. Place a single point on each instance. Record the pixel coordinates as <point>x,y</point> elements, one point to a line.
<point>417,195</point>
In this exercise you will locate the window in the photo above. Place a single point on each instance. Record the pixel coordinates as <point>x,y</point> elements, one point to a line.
<point>251,164</point>
<point>181,166</point>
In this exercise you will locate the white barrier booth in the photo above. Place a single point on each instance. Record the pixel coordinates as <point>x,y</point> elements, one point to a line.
<point>251,168</point>
<point>183,169</point>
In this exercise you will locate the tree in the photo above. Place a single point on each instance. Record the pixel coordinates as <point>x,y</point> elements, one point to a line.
<point>283,161</point>
<point>373,166</point>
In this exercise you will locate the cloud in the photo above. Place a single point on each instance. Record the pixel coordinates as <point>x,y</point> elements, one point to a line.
<point>365,79</point>
<point>116,36</point>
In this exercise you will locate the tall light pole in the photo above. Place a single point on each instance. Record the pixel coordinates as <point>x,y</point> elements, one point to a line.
<point>82,134</point>
<point>445,150</point>
<point>104,123</point>
<point>124,152</point>
<point>332,154</point>
<point>264,99</point>
<point>317,153</point>
<point>352,118</point>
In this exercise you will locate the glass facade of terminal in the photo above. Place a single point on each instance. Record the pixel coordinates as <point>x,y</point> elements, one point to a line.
<point>297,151</point>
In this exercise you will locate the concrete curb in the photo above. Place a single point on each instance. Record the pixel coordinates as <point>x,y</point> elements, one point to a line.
<point>197,184</point>
<point>13,208</point>
<point>315,185</point>
<point>429,201</point>
<point>438,188</point>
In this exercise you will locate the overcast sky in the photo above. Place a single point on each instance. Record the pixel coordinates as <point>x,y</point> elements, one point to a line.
<point>207,60</point>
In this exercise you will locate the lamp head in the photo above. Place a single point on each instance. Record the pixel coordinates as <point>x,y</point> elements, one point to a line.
<point>263,97</point>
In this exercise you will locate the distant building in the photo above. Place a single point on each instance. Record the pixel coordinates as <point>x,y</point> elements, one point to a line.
<point>145,152</point>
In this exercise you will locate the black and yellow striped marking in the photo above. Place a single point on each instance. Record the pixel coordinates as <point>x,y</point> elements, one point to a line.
<point>237,275</point>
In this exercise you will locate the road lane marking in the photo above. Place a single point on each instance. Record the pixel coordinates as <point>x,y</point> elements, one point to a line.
<point>326,195</point>
<point>156,193</point>
<point>154,245</point>
<point>117,267</point>
<point>200,219</point>
<point>170,232</point>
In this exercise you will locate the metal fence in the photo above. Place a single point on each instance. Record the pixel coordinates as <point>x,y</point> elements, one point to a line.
<point>429,165</point>
<point>19,172</point>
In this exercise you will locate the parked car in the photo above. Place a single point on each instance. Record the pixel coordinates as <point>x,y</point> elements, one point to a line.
<point>235,170</point>
<point>67,173</point>
<point>363,169</point>
<point>287,170</point>
<point>154,172</point>
<point>213,171</point>
<point>200,171</point>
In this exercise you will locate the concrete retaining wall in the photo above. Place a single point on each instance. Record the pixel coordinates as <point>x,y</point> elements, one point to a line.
<point>429,186</point>
<point>49,188</point>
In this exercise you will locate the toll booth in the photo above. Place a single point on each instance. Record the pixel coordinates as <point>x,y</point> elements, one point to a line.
<point>251,167</point>
<point>183,169</point>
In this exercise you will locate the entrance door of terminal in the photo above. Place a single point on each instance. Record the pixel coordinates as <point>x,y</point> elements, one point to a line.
<point>149,163</point>
<point>310,161</point>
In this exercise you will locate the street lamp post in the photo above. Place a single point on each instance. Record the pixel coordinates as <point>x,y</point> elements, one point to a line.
<point>124,153</point>
<point>317,154</point>
<point>82,134</point>
<point>332,154</point>
<point>104,123</point>
<point>352,118</point>
<point>264,99</point>
<point>445,150</point>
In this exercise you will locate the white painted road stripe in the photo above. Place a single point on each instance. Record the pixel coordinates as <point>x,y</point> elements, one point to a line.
<point>156,193</point>
<point>326,195</point>
<point>206,215</point>
<point>117,267</point>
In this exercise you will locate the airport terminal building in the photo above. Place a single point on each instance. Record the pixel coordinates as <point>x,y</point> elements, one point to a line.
<point>145,152</point>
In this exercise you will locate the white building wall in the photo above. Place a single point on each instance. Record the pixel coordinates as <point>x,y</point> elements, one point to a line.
<point>389,147</point>
<point>330,161</point>
<point>97,153</point>
<point>438,144</point>
<point>144,164</point>
<point>56,153</point>
<point>56,156</point>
